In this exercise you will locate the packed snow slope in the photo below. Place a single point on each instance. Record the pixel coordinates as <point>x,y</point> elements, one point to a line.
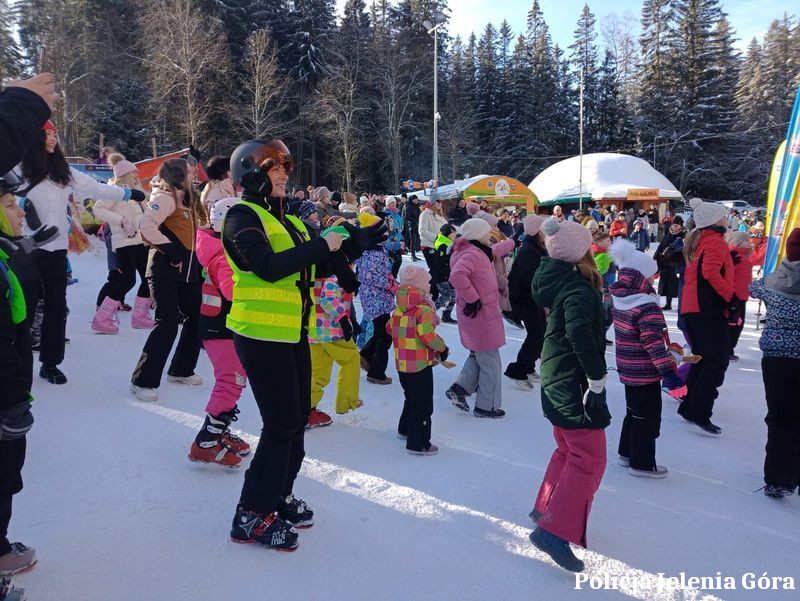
<point>116,512</point>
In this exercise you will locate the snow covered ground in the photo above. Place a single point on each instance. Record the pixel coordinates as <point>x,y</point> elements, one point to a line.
<point>117,512</point>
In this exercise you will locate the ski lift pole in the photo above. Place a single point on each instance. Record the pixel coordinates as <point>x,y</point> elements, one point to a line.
<point>580,134</point>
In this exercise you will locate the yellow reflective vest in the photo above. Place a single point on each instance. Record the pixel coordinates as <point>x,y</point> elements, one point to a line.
<point>269,310</point>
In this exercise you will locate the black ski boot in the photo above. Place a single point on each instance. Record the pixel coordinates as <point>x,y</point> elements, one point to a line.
<point>295,512</point>
<point>457,396</point>
<point>251,528</point>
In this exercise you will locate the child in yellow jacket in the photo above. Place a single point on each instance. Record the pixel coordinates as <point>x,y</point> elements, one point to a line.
<point>417,348</point>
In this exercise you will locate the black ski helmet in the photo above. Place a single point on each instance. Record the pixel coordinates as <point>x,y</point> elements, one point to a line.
<point>251,161</point>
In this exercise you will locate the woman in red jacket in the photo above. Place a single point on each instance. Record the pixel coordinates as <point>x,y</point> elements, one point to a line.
<point>708,298</point>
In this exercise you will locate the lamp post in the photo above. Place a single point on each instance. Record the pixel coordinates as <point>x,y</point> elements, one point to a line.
<point>434,29</point>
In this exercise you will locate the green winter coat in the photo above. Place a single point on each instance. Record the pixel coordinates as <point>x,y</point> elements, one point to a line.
<point>574,344</point>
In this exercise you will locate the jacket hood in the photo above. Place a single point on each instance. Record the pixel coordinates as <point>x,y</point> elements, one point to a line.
<point>550,278</point>
<point>208,245</point>
<point>785,279</point>
<point>409,298</point>
<point>632,290</point>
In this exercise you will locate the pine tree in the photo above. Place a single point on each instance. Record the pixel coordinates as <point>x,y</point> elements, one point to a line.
<point>584,59</point>
<point>10,53</point>
<point>457,126</point>
<point>487,89</point>
<point>780,68</point>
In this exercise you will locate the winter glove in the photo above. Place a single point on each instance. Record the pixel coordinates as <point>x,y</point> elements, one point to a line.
<point>675,386</point>
<point>598,386</point>
<point>127,227</point>
<point>734,311</point>
<point>15,421</point>
<point>736,257</point>
<point>347,328</point>
<point>174,257</point>
<point>366,238</point>
<point>31,215</point>
<point>28,244</point>
<point>194,152</point>
<point>138,195</point>
<point>356,328</point>
<point>595,401</point>
<point>443,354</point>
<point>471,309</point>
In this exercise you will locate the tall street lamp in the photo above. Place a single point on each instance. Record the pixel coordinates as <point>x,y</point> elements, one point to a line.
<point>434,29</point>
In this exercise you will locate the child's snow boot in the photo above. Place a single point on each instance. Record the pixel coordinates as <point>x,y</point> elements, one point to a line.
<point>8,592</point>
<point>251,528</point>
<point>238,445</point>
<point>140,318</point>
<point>103,321</point>
<point>557,548</point>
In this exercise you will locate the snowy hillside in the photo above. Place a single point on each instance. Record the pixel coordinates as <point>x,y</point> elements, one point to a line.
<point>116,512</point>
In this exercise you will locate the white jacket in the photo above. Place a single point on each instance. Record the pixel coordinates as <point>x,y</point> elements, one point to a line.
<point>216,190</point>
<point>51,201</point>
<point>112,212</point>
<point>429,226</point>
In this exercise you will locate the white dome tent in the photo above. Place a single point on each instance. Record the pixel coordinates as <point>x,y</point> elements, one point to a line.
<point>608,178</point>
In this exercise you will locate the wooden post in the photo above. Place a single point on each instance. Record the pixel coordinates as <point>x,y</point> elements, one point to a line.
<point>153,144</point>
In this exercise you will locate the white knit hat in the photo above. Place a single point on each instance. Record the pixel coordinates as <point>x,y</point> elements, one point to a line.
<point>475,229</point>
<point>219,210</point>
<point>706,213</point>
<point>625,255</point>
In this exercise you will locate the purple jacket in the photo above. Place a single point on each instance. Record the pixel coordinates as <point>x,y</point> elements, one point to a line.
<point>374,271</point>
<point>473,276</point>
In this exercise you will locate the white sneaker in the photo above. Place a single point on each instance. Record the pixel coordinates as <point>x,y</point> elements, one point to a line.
<point>658,473</point>
<point>534,378</point>
<point>148,395</point>
<point>522,384</point>
<point>193,380</point>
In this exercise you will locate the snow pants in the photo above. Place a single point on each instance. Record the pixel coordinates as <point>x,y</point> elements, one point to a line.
<point>781,385</point>
<point>572,477</point>
<point>641,426</point>
<point>345,354</point>
<point>175,300</point>
<point>482,374</point>
<point>415,420</point>
<point>12,458</point>
<point>280,377</point>
<point>229,376</point>
<point>531,348</point>
<point>709,339</point>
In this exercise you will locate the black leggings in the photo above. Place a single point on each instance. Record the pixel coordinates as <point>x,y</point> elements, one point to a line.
<point>130,261</point>
<point>280,378</point>
<point>376,350</point>
<point>531,349</point>
<point>415,420</point>
<point>781,382</point>
<point>12,458</point>
<point>641,426</point>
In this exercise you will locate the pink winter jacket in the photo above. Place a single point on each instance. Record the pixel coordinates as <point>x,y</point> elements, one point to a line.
<point>212,256</point>
<point>473,276</point>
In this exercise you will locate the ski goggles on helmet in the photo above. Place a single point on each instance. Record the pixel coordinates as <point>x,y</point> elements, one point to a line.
<point>273,153</point>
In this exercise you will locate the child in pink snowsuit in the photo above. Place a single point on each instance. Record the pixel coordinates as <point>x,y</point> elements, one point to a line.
<point>215,443</point>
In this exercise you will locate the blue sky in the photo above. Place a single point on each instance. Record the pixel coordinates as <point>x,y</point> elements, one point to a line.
<point>748,17</point>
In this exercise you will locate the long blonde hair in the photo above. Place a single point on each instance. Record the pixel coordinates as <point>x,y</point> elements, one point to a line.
<point>587,269</point>
<point>690,244</point>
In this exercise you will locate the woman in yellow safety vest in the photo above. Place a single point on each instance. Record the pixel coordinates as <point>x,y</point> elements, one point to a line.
<point>274,262</point>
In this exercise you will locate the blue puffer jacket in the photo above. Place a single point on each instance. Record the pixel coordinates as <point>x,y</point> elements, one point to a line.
<point>781,334</point>
<point>395,241</point>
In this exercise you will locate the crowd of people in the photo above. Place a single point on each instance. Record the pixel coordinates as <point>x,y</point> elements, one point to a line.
<point>265,280</point>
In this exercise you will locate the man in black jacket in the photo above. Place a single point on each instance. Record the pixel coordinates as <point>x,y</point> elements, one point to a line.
<point>411,216</point>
